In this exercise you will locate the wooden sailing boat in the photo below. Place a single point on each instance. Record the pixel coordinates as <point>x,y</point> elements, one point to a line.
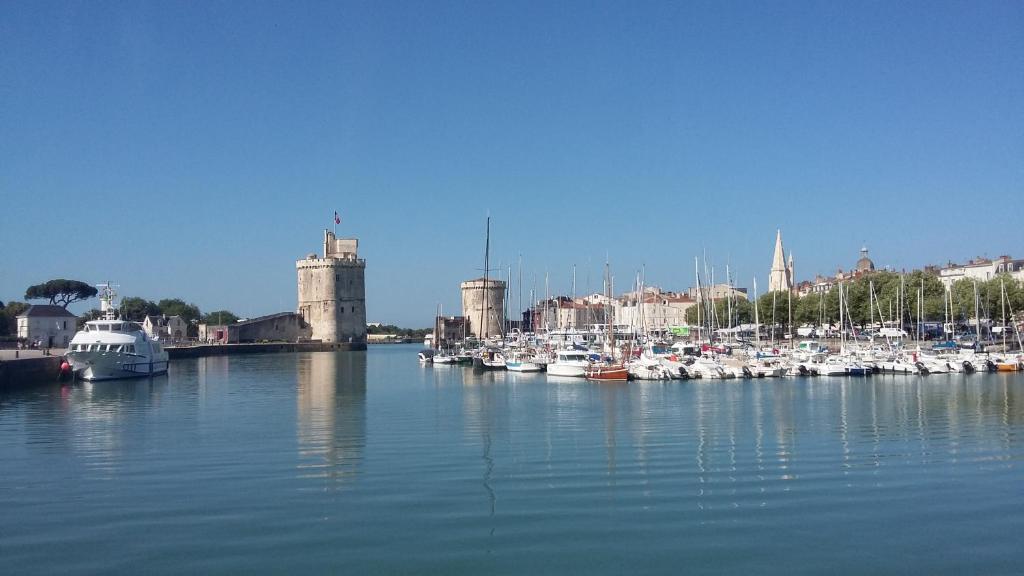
<point>611,370</point>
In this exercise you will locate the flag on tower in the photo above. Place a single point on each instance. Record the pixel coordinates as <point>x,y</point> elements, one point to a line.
<point>337,219</point>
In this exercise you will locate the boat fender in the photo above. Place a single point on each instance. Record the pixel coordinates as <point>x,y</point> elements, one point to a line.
<point>921,367</point>
<point>968,367</point>
<point>991,366</point>
<point>803,370</point>
<point>683,373</point>
<point>65,371</point>
<point>747,373</point>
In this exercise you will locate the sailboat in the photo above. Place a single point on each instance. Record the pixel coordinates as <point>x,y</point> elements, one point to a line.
<point>609,370</point>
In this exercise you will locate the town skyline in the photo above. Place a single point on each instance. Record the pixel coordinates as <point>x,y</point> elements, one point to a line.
<point>200,153</point>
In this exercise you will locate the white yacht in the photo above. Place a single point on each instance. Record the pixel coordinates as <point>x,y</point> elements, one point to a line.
<point>569,363</point>
<point>111,348</point>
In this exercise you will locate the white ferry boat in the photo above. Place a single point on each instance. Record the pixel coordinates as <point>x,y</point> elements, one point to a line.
<point>111,348</point>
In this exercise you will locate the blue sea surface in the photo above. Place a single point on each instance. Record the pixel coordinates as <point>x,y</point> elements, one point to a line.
<point>370,463</point>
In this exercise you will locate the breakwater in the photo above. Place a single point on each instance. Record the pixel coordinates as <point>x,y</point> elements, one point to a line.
<point>259,348</point>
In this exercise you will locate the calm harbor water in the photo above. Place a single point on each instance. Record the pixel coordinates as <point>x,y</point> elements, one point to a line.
<point>367,462</point>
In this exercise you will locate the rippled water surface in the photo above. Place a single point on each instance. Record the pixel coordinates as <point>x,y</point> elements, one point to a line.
<point>368,462</point>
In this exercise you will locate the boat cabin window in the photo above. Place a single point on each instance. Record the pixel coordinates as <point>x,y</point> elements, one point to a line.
<point>115,327</point>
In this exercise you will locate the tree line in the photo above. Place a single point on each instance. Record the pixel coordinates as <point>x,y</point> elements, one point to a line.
<point>399,332</point>
<point>896,297</point>
<point>62,292</point>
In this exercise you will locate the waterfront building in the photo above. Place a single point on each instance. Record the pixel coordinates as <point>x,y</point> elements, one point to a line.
<point>165,328</point>
<point>332,291</point>
<point>654,310</point>
<point>824,284</point>
<point>982,269</point>
<point>564,313</point>
<point>47,324</point>
<point>484,313</point>
<point>449,330</point>
<point>781,276</point>
<point>717,292</point>
<point>213,333</point>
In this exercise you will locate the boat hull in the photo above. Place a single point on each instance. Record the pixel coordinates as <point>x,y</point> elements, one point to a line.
<point>516,366</point>
<point>113,366</point>
<point>618,373</point>
<point>556,369</point>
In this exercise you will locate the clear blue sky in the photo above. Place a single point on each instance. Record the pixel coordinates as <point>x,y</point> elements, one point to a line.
<point>197,149</point>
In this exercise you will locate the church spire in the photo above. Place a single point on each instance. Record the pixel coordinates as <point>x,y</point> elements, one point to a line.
<point>779,278</point>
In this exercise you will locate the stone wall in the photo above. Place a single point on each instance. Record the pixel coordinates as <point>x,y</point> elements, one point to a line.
<point>283,327</point>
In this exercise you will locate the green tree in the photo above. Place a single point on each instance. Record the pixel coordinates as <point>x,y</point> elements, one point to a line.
<point>136,309</point>
<point>9,317</point>
<point>189,313</point>
<point>780,301</point>
<point>178,307</point>
<point>61,291</point>
<point>219,317</point>
<point>93,314</point>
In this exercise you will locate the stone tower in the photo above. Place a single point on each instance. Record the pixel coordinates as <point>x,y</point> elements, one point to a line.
<point>473,307</point>
<point>780,278</point>
<point>332,291</point>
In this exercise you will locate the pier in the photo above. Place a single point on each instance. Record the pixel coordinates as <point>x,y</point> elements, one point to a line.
<point>28,368</point>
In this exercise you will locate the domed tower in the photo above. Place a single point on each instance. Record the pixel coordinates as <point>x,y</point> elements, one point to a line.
<point>332,291</point>
<point>864,264</point>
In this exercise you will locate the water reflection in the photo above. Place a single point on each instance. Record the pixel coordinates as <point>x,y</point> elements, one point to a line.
<point>331,407</point>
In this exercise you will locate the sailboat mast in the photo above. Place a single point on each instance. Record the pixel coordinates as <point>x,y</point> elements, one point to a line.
<point>1002,299</point>
<point>977,315</point>
<point>757,322</point>
<point>483,301</point>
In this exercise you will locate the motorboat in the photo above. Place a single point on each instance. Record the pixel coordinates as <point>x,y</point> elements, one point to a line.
<point>112,348</point>
<point>648,369</point>
<point>569,363</point>
<point>444,357</point>
<point>489,358</point>
<point>523,361</point>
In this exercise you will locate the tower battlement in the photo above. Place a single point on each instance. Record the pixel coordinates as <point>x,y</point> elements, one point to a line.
<point>332,291</point>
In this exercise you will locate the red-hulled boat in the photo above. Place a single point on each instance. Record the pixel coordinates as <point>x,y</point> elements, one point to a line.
<point>606,372</point>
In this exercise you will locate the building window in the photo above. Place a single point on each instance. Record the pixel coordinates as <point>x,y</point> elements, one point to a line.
<point>353,309</point>
<point>337,277</point>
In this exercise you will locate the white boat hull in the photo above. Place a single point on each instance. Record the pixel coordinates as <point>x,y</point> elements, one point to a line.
<point>111,365</point>
<point>517,366</point>
<point>556,369</point>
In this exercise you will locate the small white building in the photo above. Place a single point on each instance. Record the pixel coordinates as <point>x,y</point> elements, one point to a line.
<point>47,325</point>
<point>166,328</point>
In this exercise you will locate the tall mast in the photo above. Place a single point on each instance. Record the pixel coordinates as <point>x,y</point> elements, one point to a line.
<point>520,311</point>
<point>573,322</point>
<point>700,297</point>
<point>487,263</point>
<point>757,322</point>
<point>1002,299</point>
<point>790,316</point>
<point>977,315</point>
